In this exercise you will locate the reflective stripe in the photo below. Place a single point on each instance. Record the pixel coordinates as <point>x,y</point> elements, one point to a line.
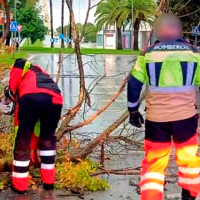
<point>189,181</point>
<point>48,153</point>
<point>21,163</point>
<point>132,105</point>
<point>152,73</point>
<point>171,89</point>
<point>26,68</point>
<point>47,166</point>
<point>153,175</point>
<point>190,71</point>
<point>20,175</point>
<point>152,186</point>
<point>187,170</point>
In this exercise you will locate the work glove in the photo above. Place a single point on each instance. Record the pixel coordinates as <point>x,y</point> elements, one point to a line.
<point>136,119</point>
<point>7,109</point>
<point>8,93</point>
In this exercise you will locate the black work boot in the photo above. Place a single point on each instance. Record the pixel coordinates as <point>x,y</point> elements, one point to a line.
<point>18,191</point>
<point>48,186</point>
<point>186,195</point>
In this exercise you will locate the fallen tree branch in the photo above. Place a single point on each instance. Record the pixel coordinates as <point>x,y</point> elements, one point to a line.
<point>82,91</point>
<point>84,152</point>
<point>59,67</point>
<point>99,112</point>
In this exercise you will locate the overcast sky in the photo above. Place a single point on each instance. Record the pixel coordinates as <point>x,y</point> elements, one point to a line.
<point>78,5</point>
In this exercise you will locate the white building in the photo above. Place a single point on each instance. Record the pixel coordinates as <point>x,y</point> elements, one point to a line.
<point>108,38</point>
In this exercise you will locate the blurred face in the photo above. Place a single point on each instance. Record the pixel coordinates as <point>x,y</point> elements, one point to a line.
<point>167,27</point>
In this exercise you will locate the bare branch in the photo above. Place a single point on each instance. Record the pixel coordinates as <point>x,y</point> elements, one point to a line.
<point>86,20</point>
<point>59,67</point>
<point>191,13</point>
<point>101,110</point>
<point>96,4</point>
<point>184,6</point>
<point>68,2</point>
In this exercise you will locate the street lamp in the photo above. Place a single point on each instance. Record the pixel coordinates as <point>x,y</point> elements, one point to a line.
<point>70,24</point>
<point>79,11</point>
<point>132,35</point>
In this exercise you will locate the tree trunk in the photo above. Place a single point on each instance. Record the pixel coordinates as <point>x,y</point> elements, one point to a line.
<point>95,142</point>
<point>136,34</point>
<point>51,18</point>
<point>5,165</point>
<point>119,38</point>
<point>62,23</point>
<point>5,5</point>
<point>8,39</point>
<point>100,111</point>
<point>82,90</point>
<point>83,153</point>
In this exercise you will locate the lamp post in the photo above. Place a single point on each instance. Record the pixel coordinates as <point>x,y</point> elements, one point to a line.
<point>70,24</point>
<point>62,24</point>
<point>132,33</point>
<point>51,16</point>
<point>15,18</point>
<point>79,11</point>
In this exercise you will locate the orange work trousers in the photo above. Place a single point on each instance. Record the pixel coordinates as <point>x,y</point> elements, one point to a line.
<point>158,143</point>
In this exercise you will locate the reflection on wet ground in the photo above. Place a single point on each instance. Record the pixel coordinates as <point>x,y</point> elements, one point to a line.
<point>39,194</point>
<point>112,68</point>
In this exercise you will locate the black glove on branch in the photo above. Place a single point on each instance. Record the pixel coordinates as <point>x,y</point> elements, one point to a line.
<point>136,119</point>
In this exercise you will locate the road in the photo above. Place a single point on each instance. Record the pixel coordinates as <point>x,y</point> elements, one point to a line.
<point>115,69</point>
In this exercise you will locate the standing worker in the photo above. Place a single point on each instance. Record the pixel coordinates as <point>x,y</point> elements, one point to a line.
<point>170,68</point>
<point>38,99</point>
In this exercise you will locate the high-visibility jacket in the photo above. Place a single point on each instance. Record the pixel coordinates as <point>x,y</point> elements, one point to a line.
<point>170,71</point>
<point>26,78</point>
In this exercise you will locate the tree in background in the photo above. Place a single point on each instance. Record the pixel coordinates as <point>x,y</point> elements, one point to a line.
<point>189,12</point>
<point>115,12</point>
<point>90,31</point>
<point>22,4</point>
<point>33,25</point>
<point>107,16</point>
<point>143,11</point>
<point>79,27</point>
<point>65,29</point>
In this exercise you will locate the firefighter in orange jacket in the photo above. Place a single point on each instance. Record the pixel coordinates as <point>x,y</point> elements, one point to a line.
<point>38,99</point>
<point>170,69</point>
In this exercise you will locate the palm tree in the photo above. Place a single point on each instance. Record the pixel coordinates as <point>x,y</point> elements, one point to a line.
<point>105,17</point>
<point>51,17</point>
<point>142,11</point>
<point>111,12</point>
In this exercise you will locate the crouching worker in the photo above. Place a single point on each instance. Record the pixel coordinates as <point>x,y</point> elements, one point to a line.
<point>170,69</point>
<point>38,99</point>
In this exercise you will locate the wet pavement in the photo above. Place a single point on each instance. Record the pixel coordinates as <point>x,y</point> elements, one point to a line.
<point>114,69</point>
<point>120,187</point>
